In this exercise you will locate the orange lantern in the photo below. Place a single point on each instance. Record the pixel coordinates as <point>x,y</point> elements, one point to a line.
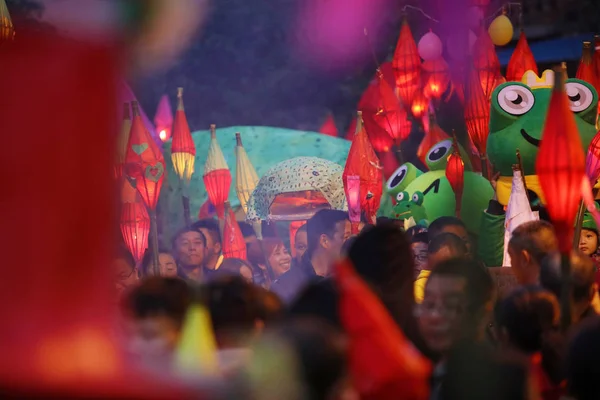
<point>390,116</point>
<point>455,173</point>
<point>369,105</point>
<point>521,61</point>
<point>7,30</point>
<point>217,178</point>
<point>234,245</point>
<point>486,63</point>
<point>436,78</point>
<point>585,71</point>
<point>433,135</point>
<point>135,227</point>
<point>477,113</point>
<point>419,105</point>
<point>328,128</point>
<point>163,120</point>
<point>407,65</point>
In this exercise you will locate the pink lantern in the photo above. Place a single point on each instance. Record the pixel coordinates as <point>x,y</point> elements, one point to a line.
<point>163,120</point>
<point>353,198</point>
<point>592,161</point>
<point>430,47</point>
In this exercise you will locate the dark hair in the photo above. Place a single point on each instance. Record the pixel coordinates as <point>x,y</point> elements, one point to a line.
<point>583,369</point>
<point>438,225</point>
<point>535,237</point>
<point>211,225</point>
<point>247,229</point>
<point>301,229</point>
<point>147,259</point>
<point>123,253</point>
<point>415,230</point>
<point>318,300</point>
<point>231,267</point>
<point>270,306</point>
<point>582,279</point>
<point>156,296</point>
<point>186,230</point>
<point>422,237</point>
<point>526,314</point>
<point>322,223</point>
<point>449,240</point>
<point>480,288</point>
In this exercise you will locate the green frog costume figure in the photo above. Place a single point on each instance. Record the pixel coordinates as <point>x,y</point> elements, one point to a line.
<point>426,196</point>
<point>517,116</point>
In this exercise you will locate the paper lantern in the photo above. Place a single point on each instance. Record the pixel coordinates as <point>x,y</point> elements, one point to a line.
<point>407,65</point>
<point>430,46</point>
<point>521,61</point>
<point>560,164</point>
<point>370,105</point>
<point>183,148</point>
<point>144,163</point>
<point>592,161</point>
<point>501,30</point>
<point>351,129</point>
<point>477,113</point>
<point>433,135</point>
<point>585,71</point>
<point>122,141</point>
<point>328,128</point>
<point>390,116</point>
<point>363,162</point>
<point>436,77</point>
<point>419,105</point>
<point>352,189</point>
<point>246,177</point>
<point>597,56</point>
<point>7,30</point>
<point>217,178</point>
<point>234,245</point>
<point>455,173</point>
<point>135,228</point>
<point>486,63</point>
<point>163,120</point>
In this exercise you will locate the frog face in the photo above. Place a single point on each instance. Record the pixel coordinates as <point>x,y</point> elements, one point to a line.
<point>518,113</point>
<point>409,206</point>
<point>401,178</point>
<point>437,157</point>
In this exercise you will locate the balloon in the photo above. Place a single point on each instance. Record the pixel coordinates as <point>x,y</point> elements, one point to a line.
<point>474,17</point>
<point>501,30</point>
<point>430,46</point>
<point>456,49</point>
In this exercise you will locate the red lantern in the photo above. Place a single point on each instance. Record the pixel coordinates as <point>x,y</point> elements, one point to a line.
<point>163,120</point>
<point>328,128</point>
<point>351,130</point>
<point>560,164</point>
<point>521,61</point>
<point>144,162</point>
<point>585,71</point>
<point>597,56</point>
<point>389,115</point>
<point>434,135</point>
<point>477,113</point>
<point>369,105</point>
<point>436,78</point>
<point>407,65</point>
<point>217,178</point>
<point>486,63</point>
<point>363,161</point>
<point>592,161</point>
<point>135,227</point>
<point>420,105</point>
<point>455,173</point>
<point>234,245</point>
<point>183,149</point>
<point>352,189</point>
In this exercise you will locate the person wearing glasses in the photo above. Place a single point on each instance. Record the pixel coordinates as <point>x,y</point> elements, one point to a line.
<point>125,270</point>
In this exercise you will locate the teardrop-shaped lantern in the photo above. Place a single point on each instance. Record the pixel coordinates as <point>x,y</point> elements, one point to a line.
<point>183,149</point>
<point>7,29</point>
<point>246,177</point>
<point>370,106</point>
<point>436,77</point>
<point>585,71</point>
<point>455,173</point>
<point>163,120</point>
<point>234,245</point>
<point>407,65</point>
<point>217,177</point>
<point>521,61</point>
<point>477,113</point>
<point>135,228</point>
<point>123,141</point>
<point>390,116</point>
<point>328,128</point>
<point>592,160</point>
<point>485,61</point>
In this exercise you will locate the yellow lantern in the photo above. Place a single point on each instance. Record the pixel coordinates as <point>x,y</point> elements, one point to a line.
<point>246,177</point>
<point>7,30</point>
<point>501,30</point>
<point>183,148</point>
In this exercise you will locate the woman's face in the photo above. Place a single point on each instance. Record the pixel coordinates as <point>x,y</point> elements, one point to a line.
<point>166,266</point>
<point>280,260</point>
<point>588,242</point>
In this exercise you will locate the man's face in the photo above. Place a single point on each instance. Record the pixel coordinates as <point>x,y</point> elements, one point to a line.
<point>460,232</point>
<point>212,248</point>
<point>152,339</point>
<point>190,249</point>
<point>300,244</point>
<point>342,232</point>
<point>125,274</point>
<point>442,313</point>
<point>420,256</point>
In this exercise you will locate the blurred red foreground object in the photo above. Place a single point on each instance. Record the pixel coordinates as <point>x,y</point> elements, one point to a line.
<point>57,124</point>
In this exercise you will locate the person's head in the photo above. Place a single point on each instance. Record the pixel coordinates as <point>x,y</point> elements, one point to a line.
<point>450,225</point>
<point>420,249</point>
<point>530,243</point>
<point>210,229</point>
<point>588,241</point>
<point>167,266</point>
<point>326,232</point>
<point>126,274</point>
<point>458,297</point>
<point>415,230</point>
<point>236,267</point>
<point>444,247</point>
<point>582,279</point>
<point>525,316</point>
<point>247,232</point>
<point>189,248</point>
<point>156,310</point>
<point>277,255</point>
<point>301,242</point>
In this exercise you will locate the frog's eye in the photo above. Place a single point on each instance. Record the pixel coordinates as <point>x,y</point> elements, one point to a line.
<point>417,198</point>
<point>439,151</point>
<point>397,177</point>
<point>516,99</point>
<point>580,96</point>
<point>401,196</point>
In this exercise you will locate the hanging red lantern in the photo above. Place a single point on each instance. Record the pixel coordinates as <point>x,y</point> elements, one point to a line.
<point>486,63</point>
<point>135,228</point>
<point>521,61</point>
<point>183,149</point>
<point>390,116</point>
<point>369,105</point>
<point>363,162</point>
<point>420,105</point>
<point>477,113</point>
<point>217,177</point>
<point>436,78</point>
<point>407,65</point>
<point>433,135</point>
<point>163,120</point>
<point>455,173</point>
<point>592,160</point>
<point>585,71</point>
<point>328,128</point>
<point>234,245</point>
<point>144,162</point>
<point>560,164</point>
<point>596,61</point>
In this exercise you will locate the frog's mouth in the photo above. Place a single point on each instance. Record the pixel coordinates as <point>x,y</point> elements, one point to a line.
<point>531,140</point>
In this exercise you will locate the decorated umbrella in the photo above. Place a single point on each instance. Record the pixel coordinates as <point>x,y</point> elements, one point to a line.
<point>328,128</point>
<point>433,135</point>
<point>477,117</point>
<point>217,177</point>
<point>183,153</point>
<point>144,168</point>
<point>246,177</point>
<point>486,63</point>
<point>7,30</point>
<point>163,120</point>
<point>407,65</point>
<point>122,141</point>
<point>363,162</point>
<point>560,167</point>
<point>234,245</point>
<point>455,173</point>
<point>436,77</point>
<point>521,61</point>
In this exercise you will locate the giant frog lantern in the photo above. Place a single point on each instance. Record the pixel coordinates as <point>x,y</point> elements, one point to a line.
<point>517,116</point>
<point>426,196</point>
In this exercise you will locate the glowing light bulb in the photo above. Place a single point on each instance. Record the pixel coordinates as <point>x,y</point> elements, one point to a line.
<point>163,135</point>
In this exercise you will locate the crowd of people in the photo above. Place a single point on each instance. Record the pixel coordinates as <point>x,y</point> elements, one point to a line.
<point>429,279</point>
